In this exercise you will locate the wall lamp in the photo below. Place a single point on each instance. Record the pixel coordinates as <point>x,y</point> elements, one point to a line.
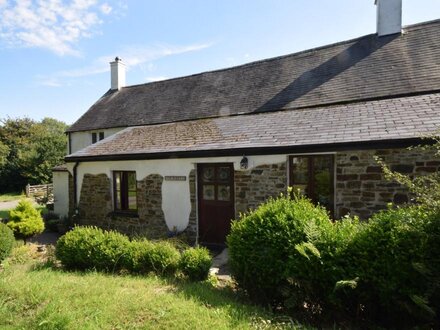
<point>244,163</point>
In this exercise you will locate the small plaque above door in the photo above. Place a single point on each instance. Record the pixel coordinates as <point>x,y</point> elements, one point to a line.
<point>175,178</point>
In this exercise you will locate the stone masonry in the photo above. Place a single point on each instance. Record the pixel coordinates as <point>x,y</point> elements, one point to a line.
<point>95,200</point>
<point>95,207</point>
<point>191,230</point>
<point>254,186</point>
<point>361,188</point>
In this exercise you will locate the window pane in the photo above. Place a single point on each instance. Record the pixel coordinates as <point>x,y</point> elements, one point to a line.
<point>101,136</point>
<point>208,174</point>
<point>300,169</point>
<point>223,193</point>
<point>208,192</point>
<point>117,180</point>
<point>93,138</point>
<point>131,181</point>
<point>224,173</point>
<point>322,166</point>
<point>118,200</point>
<point>132,205</point>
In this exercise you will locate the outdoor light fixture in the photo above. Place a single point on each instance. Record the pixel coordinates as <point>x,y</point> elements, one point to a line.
<point>244,163</point>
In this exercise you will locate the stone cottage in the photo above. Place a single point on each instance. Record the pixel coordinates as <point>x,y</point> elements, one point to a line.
<point>191,153</point>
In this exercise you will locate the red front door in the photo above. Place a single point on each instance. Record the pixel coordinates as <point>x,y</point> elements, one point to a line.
<point>216,201</point>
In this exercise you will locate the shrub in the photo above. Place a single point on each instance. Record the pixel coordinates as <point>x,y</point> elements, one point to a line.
<point>195,263</point>
<point>318,272</point>
<point>135,255</point>
<point>6,241</point>
<point>389,258</point>
<point>92,248</point>
<point>25,220</point>
<point>144,256</point>
<point>162,259</point>
<point>261,243</point>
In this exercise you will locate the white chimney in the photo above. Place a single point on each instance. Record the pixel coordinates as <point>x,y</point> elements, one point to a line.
<point>389,17</point>
<point>117,69</point>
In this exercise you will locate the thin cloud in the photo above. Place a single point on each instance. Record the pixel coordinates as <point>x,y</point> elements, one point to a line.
<point>50,24</point>
<point>132,56</point>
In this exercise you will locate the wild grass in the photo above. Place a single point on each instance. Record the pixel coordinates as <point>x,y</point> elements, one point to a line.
<point>35,297</point>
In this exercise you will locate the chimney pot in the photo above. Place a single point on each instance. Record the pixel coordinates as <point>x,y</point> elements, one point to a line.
<point>389,17</point>
<point>117,72</point>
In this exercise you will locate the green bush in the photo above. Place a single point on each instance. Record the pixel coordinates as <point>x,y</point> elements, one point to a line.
<point>25,220</point>
<point>262,242</point>
<point>195,263</point>
<point>92,248</point>
<point>135,255</point>
<point>6,241</point>
<point>162,259</point>
<point>390,257</point>
<point>143,256</point>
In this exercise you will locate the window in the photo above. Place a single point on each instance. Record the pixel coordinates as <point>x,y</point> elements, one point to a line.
<point>313,176</point>
<point>124,191</point>
<point>97,137</point>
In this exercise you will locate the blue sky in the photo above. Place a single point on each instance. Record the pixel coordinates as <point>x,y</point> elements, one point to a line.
<point>54,54</point>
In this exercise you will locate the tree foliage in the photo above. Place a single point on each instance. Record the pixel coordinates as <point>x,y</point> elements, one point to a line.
<point>29,150</point>
<point>425,188</point>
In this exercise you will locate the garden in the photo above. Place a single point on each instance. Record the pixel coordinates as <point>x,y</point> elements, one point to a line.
<point>292,267</point>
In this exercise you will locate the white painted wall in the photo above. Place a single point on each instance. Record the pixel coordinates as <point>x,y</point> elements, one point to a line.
<point>176,203</point>
<point>80,140</point>
<point>61,193</point>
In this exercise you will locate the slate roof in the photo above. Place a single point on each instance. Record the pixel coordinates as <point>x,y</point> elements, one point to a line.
<point>388,119</point>
<point>362,69</point>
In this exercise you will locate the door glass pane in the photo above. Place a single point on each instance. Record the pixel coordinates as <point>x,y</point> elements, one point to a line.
<point>224,173</point>
<point>208,174</point>
<point>223,193</point>
<point>208,192</point>
<point>322,166</point>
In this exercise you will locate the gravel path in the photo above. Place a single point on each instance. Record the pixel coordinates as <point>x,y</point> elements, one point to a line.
<point>8,205</point>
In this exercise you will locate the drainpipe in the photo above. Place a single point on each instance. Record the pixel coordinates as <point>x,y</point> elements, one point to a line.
<point>70,143</point>
<point>75,185</point>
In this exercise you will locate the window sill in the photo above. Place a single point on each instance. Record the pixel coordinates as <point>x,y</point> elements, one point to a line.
<point>126,214</point>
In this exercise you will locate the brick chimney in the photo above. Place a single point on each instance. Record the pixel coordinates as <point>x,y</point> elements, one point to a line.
<point>117,69</point>
<point>389,17</point>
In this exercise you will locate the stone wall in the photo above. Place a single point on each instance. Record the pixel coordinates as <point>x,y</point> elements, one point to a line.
<point>95,207</point>
<point>361,188</point>
<point>253,187</point>
<point>95,201</point>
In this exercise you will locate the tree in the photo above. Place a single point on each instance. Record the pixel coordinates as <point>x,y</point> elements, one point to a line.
<point>29,150</point>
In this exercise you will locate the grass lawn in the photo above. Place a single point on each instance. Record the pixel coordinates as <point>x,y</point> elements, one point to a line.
<point>46,298</point>
<point>11,197</point>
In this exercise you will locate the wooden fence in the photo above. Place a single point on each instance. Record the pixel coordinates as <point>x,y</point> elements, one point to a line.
<point>42,193</point>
